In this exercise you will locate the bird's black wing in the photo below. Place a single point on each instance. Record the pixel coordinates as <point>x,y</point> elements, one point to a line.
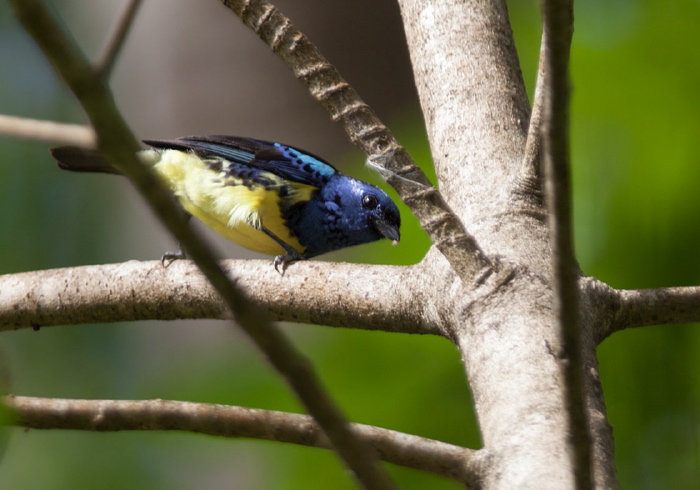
<point>285,161</point>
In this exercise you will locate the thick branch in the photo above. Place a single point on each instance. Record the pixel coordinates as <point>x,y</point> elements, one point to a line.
<point>394,447</point>
<point>558,27</point>
<point>363,296</point>
<point>118,144</point>
<point>367,132</point>
<point>474,104</point>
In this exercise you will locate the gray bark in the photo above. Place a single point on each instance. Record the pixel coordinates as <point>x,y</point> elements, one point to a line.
<point>476,112</point>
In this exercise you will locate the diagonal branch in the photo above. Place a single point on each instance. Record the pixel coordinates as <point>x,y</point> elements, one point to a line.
<point>118,144</point>
<point>115,41</point>
<point>368,133</point>
<point>558,27</point>
<point>399,448</point>
<point>644,307</point>
<point>35,129</point>
<point>365,297</point>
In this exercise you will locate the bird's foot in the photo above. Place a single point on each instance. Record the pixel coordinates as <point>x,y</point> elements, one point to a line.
<point>170,257</point>
<point>292,254</point>
<point>284,260</point>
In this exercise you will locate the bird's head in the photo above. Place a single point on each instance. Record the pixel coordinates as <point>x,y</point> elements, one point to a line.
<point>368,212</point>
<point>382,214</point>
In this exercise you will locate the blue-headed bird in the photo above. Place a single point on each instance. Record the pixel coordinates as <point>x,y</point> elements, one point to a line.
<point>268,197</point>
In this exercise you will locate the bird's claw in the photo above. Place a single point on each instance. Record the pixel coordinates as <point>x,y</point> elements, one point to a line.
<point>279,260</point>
<point>285,260</point>
<point>170,257</point>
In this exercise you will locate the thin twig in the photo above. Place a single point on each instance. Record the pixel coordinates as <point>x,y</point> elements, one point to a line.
<point>105,62</point>
<point>368,133</point>
<point>558,25</point>
<point>531,171</point>
<point>119,146</point>
<point>35,129</point>
<point>399,448</point>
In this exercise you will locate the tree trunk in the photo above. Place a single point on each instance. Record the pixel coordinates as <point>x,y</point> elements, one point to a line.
<point>476,111</point>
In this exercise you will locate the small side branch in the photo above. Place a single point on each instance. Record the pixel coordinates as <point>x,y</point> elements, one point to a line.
<point>35,129</point>
<point>368,133</point>
<point>558,27</point>
<point>531,171</point>
<point>116,39</point>
<point>645,307</point>
<point>399,448</point>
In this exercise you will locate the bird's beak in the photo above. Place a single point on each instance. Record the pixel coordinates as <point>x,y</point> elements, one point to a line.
<point>386,229</point>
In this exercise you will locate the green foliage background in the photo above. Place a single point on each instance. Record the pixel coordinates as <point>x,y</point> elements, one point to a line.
<point>636,158</point>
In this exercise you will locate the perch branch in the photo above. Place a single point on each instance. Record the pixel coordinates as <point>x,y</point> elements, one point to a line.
<point>558,28</point>
<point>364,296</point>
<point>118,144</point>
<point>368,133</point>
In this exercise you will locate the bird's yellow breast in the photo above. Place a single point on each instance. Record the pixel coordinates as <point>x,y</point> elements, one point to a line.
<point>225,204</point>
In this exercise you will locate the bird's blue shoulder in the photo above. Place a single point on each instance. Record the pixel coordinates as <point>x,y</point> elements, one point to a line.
<point>285,161</point>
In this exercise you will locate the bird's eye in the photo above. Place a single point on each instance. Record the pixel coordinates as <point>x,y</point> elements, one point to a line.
<point>370,201</point>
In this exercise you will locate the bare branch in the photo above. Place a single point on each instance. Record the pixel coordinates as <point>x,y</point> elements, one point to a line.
<point>117,143</point>
<point>35,129</point>
<point>558,27</point>
<point>368,133</point>
<point>115,41</point>
<point>399,448</point>
<point>531,171</point>
<point>365,296</point>
<point>644,307</point>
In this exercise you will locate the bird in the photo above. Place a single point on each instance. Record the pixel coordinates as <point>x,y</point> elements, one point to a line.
<point>268,197</point>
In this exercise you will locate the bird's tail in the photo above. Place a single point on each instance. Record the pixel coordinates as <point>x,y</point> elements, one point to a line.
<point>77,159</point>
